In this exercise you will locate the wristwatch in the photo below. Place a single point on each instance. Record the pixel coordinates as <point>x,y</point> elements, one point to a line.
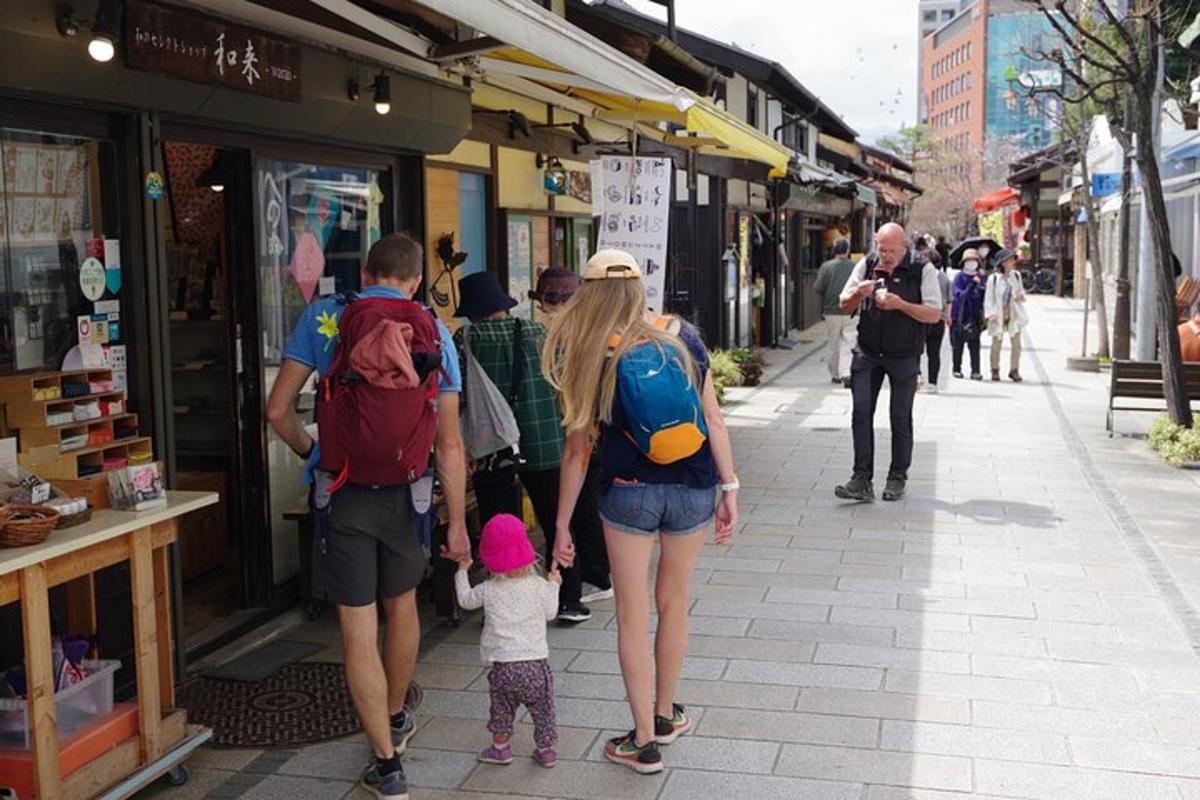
<point>732,486</point>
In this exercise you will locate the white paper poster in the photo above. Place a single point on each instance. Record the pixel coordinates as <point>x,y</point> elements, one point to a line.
<point>633,201</point>
<point>117,362</point>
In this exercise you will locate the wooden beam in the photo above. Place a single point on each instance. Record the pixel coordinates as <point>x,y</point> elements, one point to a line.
<point>162,621</point>
<point>85,562</point>
<point>10,588</point>
<point>39,678</point>
<point>448,51</point>
<point>81,605</point>
<point>145,647</point>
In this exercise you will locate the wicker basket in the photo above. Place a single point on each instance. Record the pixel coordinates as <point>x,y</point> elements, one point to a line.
<point>78,518</point>
<point>27,525</point>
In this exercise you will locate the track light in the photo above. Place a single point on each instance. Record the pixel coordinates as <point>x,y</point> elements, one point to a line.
<point>383,93</point>
<point>105,31</point>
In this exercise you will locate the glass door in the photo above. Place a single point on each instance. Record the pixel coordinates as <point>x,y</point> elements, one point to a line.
<point>314,226</point>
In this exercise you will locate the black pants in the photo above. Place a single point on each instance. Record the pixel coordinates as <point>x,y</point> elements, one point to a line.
<point>933,348</point>
<point>591,555</point>
<point>497,493</point>
<point>866,380</point>
<point>960,337</point>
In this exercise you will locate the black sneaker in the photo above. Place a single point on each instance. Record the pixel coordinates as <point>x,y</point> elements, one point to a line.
<point>958,373</point>
<point>894,489</point>
<point>859,489</point>
<point>976,376</point>
<point>574,613</point>
<point>385,781</point>
<point>668,729</point>
<point>645,760</point>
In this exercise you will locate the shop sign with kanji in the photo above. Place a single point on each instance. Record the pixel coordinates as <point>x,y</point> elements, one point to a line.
<point>204,49</point>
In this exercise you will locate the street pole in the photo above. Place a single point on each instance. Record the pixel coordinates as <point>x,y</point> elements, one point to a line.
<point>1121,331</point>
<point>1147,269</point>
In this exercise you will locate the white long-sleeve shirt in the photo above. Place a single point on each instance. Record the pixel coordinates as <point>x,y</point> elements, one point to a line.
<point>515,615</point>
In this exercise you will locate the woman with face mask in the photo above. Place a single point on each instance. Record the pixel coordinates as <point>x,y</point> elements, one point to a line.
<point>966,313</point>
<point>1004,307</point>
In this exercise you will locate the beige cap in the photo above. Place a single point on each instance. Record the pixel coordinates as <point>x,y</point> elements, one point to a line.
<point>970,254</point>
<point>611,264</point>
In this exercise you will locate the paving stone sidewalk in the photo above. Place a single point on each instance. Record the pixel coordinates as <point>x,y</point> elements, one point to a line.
<point>1008,630</point>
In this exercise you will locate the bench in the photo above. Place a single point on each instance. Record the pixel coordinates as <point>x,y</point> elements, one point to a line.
<point>1143,380</point>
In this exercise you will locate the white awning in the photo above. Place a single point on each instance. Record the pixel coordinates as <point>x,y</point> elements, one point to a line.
<point>522,24</point>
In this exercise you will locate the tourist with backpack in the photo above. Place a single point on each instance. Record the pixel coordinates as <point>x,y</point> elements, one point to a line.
<point>666,473</point>
<point>505,351</point>
<point>555,286</point>
<point>387,396</point>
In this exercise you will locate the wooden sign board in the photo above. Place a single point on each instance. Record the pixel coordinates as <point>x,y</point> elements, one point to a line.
<point>204,49</point>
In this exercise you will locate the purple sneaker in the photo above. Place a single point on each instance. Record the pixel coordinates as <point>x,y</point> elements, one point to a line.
<point>496,754</point>
<point>546,758</point>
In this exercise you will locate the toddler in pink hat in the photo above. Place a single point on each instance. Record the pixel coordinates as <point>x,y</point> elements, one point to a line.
<point>517,601</point>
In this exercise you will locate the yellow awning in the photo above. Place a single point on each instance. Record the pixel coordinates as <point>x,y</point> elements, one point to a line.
<point>707,118</point>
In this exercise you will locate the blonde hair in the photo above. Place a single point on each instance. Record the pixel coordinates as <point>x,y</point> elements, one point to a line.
<point>520,572</point>
<point>576,350</point>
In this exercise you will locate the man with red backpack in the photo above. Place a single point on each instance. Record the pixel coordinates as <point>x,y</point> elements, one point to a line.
<point>388,394</point>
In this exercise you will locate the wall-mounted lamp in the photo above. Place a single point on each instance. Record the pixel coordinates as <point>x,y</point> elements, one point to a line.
<point>106,29</point>
<point>214,177</point>
<point>383,93</point>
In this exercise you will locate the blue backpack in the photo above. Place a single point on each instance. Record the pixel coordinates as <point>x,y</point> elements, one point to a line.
<point>663,414</point>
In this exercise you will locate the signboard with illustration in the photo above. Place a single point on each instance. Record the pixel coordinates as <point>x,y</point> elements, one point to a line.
<point>632,197</point>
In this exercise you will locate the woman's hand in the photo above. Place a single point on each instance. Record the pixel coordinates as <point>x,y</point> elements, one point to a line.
<point>564,548</point>
<point>727,517</point>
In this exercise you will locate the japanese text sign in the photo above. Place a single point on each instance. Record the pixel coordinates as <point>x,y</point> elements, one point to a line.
<point>634,203</point>
<point>200,48</point>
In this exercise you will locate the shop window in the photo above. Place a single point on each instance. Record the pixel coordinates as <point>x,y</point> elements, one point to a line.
<point>54,213</point>
<point>929,16</point>
<point>752,108</point>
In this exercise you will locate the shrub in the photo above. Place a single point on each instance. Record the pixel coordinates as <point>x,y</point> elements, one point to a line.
<point>1176,444</point>
<point>725,372</point>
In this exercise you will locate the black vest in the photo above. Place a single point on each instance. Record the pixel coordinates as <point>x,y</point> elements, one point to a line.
<point>892,334</point>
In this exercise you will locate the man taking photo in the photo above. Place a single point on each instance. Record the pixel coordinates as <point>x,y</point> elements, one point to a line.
<point>896,294</point>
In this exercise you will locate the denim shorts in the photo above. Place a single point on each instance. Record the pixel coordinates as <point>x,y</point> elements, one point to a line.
<point>672,508</point>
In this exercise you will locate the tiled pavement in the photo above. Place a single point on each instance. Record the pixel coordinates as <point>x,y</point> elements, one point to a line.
<point>1012,629</point>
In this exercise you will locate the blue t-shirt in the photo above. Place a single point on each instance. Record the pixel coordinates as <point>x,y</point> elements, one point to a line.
<point>620,458</point>
<point>314,343</point>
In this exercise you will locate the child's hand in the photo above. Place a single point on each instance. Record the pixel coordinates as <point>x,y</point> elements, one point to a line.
<point>465,563</point>
<point>555,576</point>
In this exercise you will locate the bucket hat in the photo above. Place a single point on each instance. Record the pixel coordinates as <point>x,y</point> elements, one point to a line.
<point>504,546</point>
<point>480,294</point>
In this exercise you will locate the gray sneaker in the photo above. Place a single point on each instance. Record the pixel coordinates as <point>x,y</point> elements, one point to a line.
<point>859,489</point>
<point>594,594</point>
<point>385,786</point>
<point>403,728</point>
<point>894,488</point>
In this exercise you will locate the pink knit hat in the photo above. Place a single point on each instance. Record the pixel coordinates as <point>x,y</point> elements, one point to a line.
<point>504,546</point>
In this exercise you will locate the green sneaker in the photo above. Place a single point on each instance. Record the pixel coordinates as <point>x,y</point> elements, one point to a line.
<point>645,760</point>
<point>668,729</point>
<point>856,488</point>
<point>894,489</point>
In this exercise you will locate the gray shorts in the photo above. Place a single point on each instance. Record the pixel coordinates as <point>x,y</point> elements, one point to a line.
<point>371,549</point>
<point>648,508</point>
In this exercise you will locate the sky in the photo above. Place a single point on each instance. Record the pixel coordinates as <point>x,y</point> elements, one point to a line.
<point>856,55</point>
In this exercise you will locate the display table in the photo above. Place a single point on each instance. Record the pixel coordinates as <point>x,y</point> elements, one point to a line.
<point>71,556</point>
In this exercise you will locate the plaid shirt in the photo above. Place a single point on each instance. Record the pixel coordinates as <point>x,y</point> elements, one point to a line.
<point>537,409</point>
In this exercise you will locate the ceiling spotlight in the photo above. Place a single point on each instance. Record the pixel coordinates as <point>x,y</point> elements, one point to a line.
<point>352,90</point>
<point>214,176</point>
<point>383,93</point>
<point>105,31</point>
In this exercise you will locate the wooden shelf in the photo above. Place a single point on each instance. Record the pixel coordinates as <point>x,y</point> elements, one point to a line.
<point>52,437</point>
<point>19,389</point>
<point>35,413</point>
<point>65,466</point>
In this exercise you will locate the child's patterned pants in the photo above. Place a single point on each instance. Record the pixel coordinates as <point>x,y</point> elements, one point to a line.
<point>528,683</point>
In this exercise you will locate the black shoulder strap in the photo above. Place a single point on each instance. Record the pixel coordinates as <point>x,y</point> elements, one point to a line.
<point>518,362</point>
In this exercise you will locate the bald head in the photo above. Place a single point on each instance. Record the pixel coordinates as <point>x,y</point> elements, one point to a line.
<point>891,242</point>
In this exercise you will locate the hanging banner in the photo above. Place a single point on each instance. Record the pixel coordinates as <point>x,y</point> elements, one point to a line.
<point>633,201</point>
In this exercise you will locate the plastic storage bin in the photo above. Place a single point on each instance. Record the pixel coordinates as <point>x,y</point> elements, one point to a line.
<point>76,705</point>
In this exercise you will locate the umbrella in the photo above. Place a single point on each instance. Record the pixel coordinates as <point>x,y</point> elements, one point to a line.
<point>975,243</point>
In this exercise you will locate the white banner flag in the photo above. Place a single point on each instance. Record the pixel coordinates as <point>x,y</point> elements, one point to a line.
<point>633,201</point>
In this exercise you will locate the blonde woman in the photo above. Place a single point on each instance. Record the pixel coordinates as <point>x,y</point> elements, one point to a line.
<point>641,500</point>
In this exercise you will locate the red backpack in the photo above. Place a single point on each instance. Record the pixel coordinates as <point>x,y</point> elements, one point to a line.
<point>377,405</point>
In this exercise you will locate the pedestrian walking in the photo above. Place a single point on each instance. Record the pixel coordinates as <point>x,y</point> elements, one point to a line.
<point>665,465</point>
<point>839,330</point>
<point>897,295</point>
<point>966,314</point>
<point>555,287</point>
<point>943,248</point>
<point>1004,308</point>
<point>509,351</point>
<point>935,334</point>
<point>516,601</point>
<point>380,356</point>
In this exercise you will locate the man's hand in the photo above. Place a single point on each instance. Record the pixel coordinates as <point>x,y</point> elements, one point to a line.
<point>564,548</point>
<point>458,545</point>
<point>555,576</point>
<point>864,289</point>
<point>891,302</point>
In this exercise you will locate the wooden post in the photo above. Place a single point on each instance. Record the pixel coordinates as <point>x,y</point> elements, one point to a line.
<point>81,605</point>
<point>39,676</point>
<point>162,618</point>
<point>141,568</point>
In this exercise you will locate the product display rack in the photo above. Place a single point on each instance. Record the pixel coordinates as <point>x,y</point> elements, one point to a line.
<point>74,454</point>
